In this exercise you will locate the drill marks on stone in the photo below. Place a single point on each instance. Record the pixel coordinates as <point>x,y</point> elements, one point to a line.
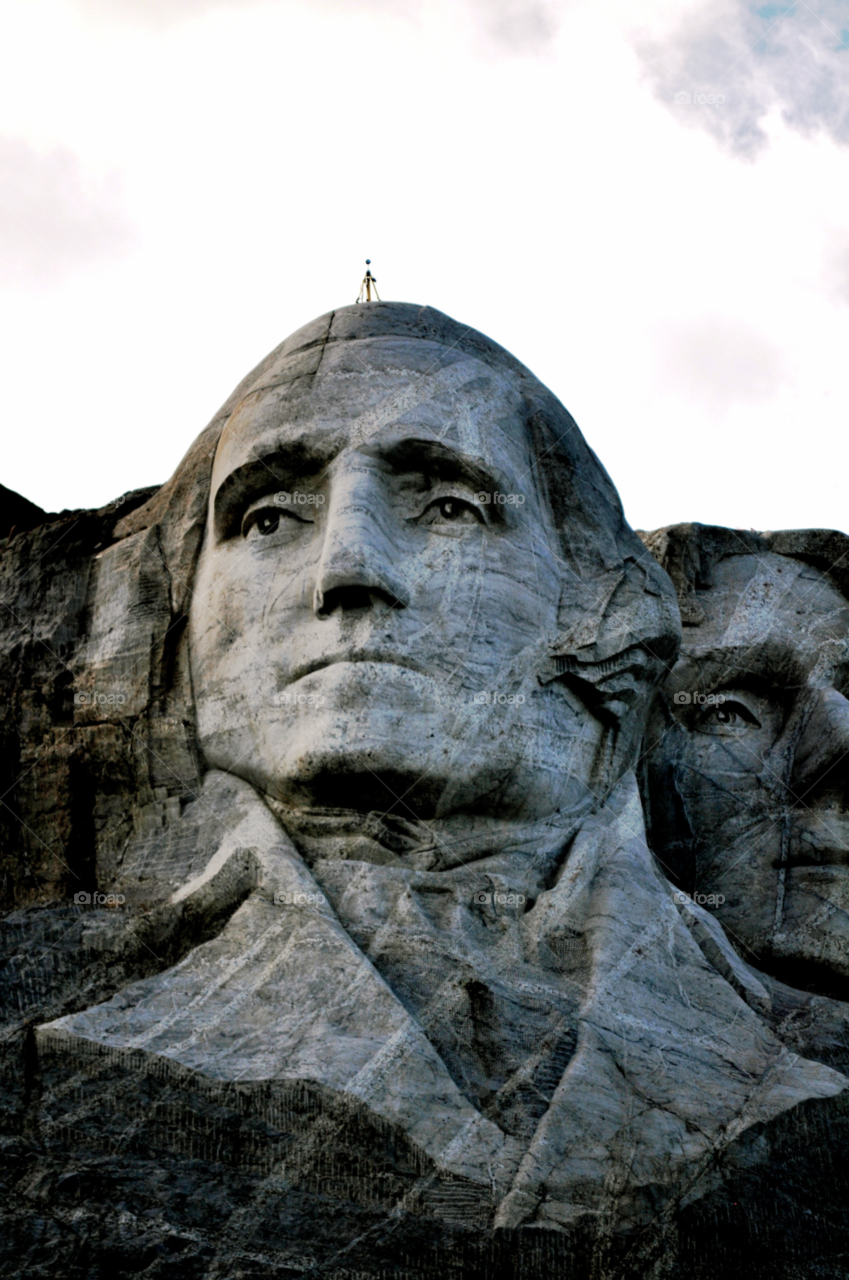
<point>759,604</point>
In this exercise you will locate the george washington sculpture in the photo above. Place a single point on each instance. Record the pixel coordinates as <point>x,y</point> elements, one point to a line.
<point>386,646</point>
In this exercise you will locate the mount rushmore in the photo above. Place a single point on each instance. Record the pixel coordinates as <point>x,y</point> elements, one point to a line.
<point>409,869</point>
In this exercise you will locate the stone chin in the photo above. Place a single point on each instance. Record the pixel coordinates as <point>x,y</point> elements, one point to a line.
<point>351,734</point>
<point>813,938</point>
<point>364,735</point>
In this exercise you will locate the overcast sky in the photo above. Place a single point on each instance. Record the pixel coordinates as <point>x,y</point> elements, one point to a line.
<point>647,202</point>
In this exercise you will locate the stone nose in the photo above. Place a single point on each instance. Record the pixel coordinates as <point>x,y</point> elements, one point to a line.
<point>358,568</point>
<point>821,762</point>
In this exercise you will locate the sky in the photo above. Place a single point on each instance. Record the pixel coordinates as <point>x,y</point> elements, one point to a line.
<point>647,202</point>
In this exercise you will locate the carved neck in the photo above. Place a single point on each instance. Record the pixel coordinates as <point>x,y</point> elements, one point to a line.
<point>383,839</point>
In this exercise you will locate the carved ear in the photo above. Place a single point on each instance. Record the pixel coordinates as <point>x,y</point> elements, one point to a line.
<point>583,608</point>
<point>619,636</point>
<point>614,687</point>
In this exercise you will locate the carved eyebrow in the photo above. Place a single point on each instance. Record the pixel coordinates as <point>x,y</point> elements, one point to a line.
<point>434,458</point>
<point>301,461</point>
<point>769,663</point>
<point>266,473</point>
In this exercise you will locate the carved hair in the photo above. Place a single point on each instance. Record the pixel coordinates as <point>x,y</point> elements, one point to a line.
<point>689,553</point>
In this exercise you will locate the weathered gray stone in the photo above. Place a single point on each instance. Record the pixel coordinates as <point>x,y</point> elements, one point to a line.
<point>747,776</point>
<point>383,977</point>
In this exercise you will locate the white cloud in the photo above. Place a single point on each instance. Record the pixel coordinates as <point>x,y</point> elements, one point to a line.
<point>836,268</point>
<point>520,26</point>
<point>727,65</point>
<point>681,304</point>
<point>52,217</point>
<point>718,362</point>
<point>157,11</point>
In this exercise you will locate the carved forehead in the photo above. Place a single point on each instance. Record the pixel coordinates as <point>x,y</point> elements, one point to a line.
<point>769,607</point>
<point>738,588</point>
<point>374,388</point>
<point>594,541</point>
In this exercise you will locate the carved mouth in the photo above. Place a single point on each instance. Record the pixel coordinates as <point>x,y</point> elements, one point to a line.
<point>825,859</point>
<point>358,656</point>
<point>820,839</point>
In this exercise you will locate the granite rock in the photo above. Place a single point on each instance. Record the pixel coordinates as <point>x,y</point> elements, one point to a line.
<point>746,776</point>
<point>335,942</point>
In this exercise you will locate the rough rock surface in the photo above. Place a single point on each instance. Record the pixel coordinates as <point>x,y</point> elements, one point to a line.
<point>747,772</point>
<point>18,514</point>
<point>371,971</point>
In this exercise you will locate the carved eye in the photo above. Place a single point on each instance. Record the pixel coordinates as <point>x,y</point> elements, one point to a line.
<point>263,521</point>
<point>731,716</point>
<point>453,511</point>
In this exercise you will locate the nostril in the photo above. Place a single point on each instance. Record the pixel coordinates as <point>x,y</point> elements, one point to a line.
<point>350,600</point>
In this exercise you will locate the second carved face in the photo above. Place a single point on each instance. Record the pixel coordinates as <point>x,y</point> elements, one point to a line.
<point>748,776</point>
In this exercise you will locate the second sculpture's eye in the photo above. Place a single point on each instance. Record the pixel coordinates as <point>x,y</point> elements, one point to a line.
<point>730,716</point>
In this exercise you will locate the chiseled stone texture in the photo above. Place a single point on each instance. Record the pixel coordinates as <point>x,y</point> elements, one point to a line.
<point>64,778</point>
<point>383,979</point>
<point>748,769</point>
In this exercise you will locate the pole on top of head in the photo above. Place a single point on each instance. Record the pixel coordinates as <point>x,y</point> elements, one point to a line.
<point>369,283</point>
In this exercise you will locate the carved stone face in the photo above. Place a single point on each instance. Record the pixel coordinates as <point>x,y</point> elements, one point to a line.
<point>378,586</point>
<point>749,783</point>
